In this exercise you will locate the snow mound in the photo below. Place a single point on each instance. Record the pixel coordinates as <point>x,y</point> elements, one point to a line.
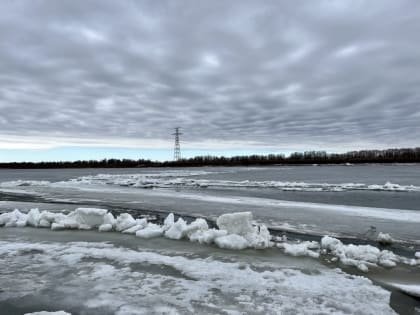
<point>360,256</point>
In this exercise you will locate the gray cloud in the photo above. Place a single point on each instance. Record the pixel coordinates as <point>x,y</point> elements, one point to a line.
<point>318,74</point>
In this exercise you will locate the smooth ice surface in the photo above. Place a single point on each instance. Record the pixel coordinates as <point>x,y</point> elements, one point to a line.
<point>102,278</point>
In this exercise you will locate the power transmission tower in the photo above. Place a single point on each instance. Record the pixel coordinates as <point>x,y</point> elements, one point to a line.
<point>177,149</point>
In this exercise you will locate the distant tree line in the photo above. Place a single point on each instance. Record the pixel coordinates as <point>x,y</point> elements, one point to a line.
<point>406,155</point>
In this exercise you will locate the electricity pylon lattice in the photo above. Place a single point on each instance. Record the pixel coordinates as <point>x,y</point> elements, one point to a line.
<point>177,149</point>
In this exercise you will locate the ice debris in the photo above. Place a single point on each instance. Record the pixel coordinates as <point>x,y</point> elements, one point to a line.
<point>236,230</point>
<point>48,313</point>
<point>384,239</point>
<point>360,256</point>
<point>307,248</point>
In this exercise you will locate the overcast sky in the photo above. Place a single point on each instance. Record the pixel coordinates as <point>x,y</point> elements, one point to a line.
<point>237,76</point>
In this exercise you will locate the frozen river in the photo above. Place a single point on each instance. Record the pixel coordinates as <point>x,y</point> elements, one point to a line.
<point>87,272</point>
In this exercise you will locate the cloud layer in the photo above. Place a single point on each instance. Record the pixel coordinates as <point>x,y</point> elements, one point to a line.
<point>305,74</point>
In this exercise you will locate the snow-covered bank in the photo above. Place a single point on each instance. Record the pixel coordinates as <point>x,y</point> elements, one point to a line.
<point>101,278</point>
<point>235,231</point>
